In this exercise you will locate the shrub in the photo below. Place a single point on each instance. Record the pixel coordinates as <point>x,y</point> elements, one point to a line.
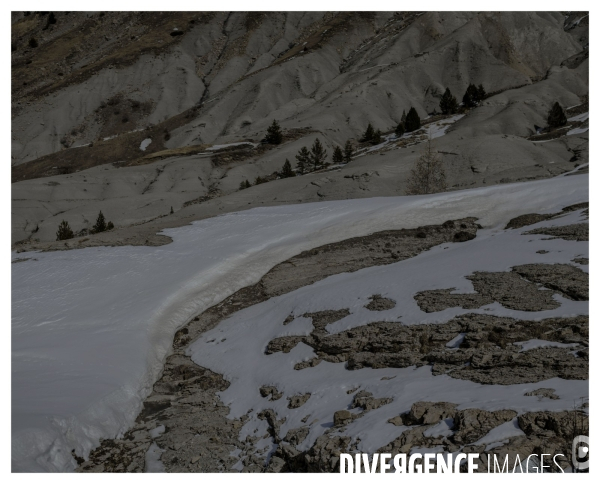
<point>556,116</point>
<point>110,225</point>
<point>274,136</point>
<point>338,155</point>
<point>33,43</point>
<point>348,151</point>
<point>259,180</point>
<point>286,171</point>
<point>317,154</point>
<point>303,158</point>
<point>413,122</point>
<point>448,103</point>
<point>428,174</point>
<point>64,231</point>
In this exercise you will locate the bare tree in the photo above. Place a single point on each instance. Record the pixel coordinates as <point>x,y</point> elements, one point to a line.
<point>428,174</point>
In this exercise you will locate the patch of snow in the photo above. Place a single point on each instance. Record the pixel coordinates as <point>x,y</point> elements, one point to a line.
<point>145,143</point>
<point>503,432</point>
<point>91,327</point>
<point>456,342</point>
<point>153,463</point>
<point>220,147</point>
<point>578,130</point>
<point>580,117</point>
<point>442,429</point>
<point>157,432</point>
<point>439,128</point>
<point>540,343</point>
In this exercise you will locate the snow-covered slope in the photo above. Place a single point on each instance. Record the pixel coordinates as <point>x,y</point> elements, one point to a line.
<point>236,348</point>
<point>91,327</point>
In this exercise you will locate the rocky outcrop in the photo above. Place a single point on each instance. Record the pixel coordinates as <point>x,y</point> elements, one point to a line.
<point>517,289</point>
<point>488,352</point>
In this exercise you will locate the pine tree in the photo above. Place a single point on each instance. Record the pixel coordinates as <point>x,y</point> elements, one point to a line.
<point>403,118</point>
<point>481,92</point>
<point>243,184</point>
<point>110,225</point>
<point>369,132</point>
<point>100,225</point>
<point>471,97</point>
<point>556,116</point>
<point>248,185</point>
<point>428,174</point>
<point>317,154</point>
<point>259,180</point>
<point>171,210</point>
<point>413,122</point>
<point>376,137</point>
<point>348,152</point>
<point>286,171</point>
<point>448,103</point>
<point>274,136</point>
<point>399,129</point>
<point>338,155</point>
<point>64,231</point>
<point>303,158</point>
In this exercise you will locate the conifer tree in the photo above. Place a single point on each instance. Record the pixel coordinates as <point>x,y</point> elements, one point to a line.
<point>448,103</point>
<point>274,136</point>
<point>348,151</point>
<point>259,180</point>
<point>317,154</point>
<point>64,231</point>
<point>110,225</point>
<point>286,171</point>
<point>338,155</point>
<point>243,184</point>
<point>428,174</point>
<point>369,132</point>
<point>376,137</point>
<point>413,122</point>
<point>171,210</point>
<point>471,97</point>
<point>248,185</point>
<point>403,118</point>
<point>556,116</point>
<point>399,129</point>
<point>303,158</point>
<point>481,92</point>
<point>100,225</point>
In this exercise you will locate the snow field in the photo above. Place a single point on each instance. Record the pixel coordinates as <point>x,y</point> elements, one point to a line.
<point>91,328</point>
